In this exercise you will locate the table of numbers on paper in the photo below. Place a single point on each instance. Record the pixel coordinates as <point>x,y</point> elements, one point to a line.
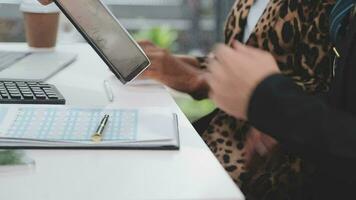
<point>72,124</point>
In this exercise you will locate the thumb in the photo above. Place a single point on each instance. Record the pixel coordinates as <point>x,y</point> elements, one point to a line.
<point>242,48</point>
<point>236,44</point>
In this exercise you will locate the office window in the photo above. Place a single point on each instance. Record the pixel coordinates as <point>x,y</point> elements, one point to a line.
<point>193,23</point>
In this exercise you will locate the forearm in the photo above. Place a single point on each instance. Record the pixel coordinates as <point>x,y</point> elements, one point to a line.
<point>301,123</point>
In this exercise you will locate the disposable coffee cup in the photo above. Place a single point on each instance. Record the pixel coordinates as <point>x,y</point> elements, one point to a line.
<point>41,23</point>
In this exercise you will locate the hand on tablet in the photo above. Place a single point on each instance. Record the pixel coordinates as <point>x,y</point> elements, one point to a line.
<point>45,2</point>
<point>177,72</point>
<point>235,73</point>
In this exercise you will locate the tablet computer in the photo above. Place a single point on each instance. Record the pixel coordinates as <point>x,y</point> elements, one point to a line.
<point>107,36</point>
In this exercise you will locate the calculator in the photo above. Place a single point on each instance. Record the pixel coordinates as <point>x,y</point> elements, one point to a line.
<point>29,92</point>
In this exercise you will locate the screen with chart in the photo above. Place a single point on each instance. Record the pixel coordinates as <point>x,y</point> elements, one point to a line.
<point>110,39</point>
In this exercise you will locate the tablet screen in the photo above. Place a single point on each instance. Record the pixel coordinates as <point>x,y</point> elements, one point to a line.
<point>99,26</point>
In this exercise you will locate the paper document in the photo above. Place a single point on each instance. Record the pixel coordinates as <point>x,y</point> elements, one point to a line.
<point>75,125</point>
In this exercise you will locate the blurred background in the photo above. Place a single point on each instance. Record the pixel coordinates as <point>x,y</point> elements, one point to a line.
<point>182,26</point>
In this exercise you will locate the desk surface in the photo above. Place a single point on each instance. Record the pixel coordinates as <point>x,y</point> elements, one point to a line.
<point>191,173</point>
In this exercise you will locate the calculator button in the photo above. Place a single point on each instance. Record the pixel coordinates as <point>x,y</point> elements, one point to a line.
<point>52,97</point>
<point>40,96</point>
<point>27,93</point>
<point>16,96</point>
<point>28,96</point>
<point>39,93</point>
<point>32,83</point>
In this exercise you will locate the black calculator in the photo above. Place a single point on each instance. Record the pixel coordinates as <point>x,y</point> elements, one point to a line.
<point>29,92</point>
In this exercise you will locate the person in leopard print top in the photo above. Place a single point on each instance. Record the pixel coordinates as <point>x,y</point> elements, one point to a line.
<point>296,33</point>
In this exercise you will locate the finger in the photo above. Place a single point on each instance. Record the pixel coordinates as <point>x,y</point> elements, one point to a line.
<point>216,69</point>
<point>154,55</point>
<point>151,68</point>
<point>239,47</point>
<point>210,61</point>
<point>145,43</point>
<point>252,51</point>
<point>45,2</point>
<point>211,56</point>
<point>208,78</point>
<point>150,49</point>
<point>236,44</point>
<point>156,59</point>
<point>212,86</point>
<point>224,54</point>
<point>150,74</point>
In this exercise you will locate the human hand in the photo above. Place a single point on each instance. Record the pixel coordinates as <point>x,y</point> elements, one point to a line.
<point>235,73</point>
<point>45,2</point>
<point>258,144</point>
<point>177,72</point>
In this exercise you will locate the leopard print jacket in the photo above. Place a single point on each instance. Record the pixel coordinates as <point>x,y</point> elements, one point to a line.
<point>296,33</point>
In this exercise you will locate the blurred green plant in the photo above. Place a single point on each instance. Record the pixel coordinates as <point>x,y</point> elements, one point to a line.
<point>10,157</point>
<point>194,109</point>
<point>162,36</point>
<point>166,37</point>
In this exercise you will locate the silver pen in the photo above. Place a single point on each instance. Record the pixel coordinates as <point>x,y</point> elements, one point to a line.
<point>108,91</point>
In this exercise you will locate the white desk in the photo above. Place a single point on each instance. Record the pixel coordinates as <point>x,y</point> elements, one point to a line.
<point>190,173</point>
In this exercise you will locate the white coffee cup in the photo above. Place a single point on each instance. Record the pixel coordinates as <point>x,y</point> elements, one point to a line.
<point>41,23</point>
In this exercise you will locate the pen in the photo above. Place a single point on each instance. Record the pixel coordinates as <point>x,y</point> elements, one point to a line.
<point>108,91</point>
<point>98,135</point>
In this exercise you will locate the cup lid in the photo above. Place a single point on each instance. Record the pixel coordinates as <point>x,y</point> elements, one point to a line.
<point>34,6</point>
